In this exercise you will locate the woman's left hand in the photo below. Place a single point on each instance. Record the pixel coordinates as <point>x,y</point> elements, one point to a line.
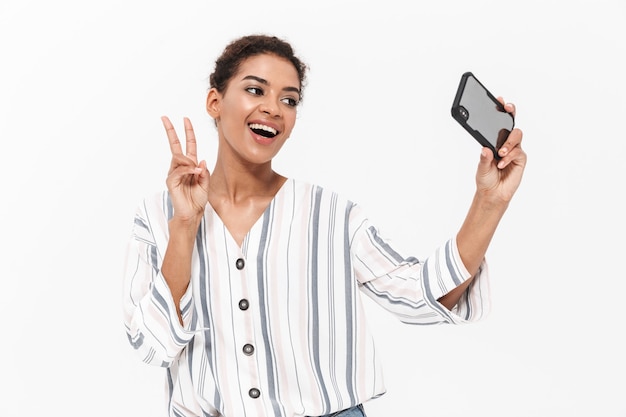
<point>499,179</point>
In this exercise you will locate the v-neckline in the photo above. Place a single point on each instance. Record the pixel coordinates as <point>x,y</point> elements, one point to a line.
<point>255,224</point>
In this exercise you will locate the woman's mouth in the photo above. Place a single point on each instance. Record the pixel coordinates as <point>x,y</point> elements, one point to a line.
<point>263,130</point>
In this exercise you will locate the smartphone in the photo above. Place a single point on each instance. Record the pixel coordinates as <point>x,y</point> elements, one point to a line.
<point>481,114</point>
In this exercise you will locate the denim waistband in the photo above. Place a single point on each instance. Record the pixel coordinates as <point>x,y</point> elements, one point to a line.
<point>356,411</point>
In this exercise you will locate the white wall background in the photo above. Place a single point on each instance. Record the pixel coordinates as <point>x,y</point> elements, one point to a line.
<point>82,87</point>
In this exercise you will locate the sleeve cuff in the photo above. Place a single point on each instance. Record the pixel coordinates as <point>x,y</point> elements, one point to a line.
<point>444,271</point>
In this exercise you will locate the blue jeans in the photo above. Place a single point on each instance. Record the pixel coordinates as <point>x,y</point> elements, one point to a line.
<point>350,412</point>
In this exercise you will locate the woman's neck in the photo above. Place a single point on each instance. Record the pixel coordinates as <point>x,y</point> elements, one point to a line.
<point>241,183</point>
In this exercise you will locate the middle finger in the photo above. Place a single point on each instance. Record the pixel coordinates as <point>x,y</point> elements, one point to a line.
<point>190,136</point>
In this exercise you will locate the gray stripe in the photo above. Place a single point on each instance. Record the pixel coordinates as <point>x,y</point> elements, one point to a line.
<point>331,296</point>
<point>388,250</point>
<point>169,207</point>
<point>170,387</point>
<point>154,258</point>
<point>451,265</point>
<point>204,284</point>
<point>386,295</point>
<point>350,319</point>
<point>315,295</point>
<point>271,377</point>
<point>429,294</point>
<point>137,341</point>
<point>141,223</point>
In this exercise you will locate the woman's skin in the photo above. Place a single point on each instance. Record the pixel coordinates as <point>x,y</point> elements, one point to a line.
<point>264,93</point>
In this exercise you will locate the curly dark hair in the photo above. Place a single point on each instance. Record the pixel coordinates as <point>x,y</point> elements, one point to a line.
<point>227,65</point>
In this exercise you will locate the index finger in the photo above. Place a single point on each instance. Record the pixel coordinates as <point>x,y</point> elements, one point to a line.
<point>513,141</point>
<point>509,107</point>
<point>172,138</point>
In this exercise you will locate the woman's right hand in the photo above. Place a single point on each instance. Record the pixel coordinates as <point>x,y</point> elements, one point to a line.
<point>187,180</point>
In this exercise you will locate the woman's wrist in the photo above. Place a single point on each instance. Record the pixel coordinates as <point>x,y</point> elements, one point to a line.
<point>488,201</point>
<point>184,226</point>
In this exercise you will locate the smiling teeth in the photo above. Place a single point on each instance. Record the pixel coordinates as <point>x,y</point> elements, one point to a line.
<point>263,127</point>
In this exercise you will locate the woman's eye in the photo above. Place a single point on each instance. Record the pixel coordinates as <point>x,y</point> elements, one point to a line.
<point>255,90</point>
<point>292,102</point>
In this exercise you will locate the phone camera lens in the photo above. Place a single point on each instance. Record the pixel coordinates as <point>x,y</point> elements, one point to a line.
<point>464,113</point>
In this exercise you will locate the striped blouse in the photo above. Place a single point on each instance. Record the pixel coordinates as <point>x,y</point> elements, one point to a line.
<point>276,326</point>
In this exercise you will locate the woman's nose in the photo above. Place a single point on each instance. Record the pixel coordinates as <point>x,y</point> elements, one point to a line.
<point>270,107</point>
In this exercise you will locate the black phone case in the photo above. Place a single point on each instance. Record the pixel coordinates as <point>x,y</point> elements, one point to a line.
<point>457,115</point>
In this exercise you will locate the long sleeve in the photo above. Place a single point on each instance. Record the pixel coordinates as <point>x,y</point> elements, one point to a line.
<point>409,288</point>
<point>150,315</point>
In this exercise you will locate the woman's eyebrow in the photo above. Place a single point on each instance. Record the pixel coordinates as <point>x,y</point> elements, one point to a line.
<point>265,82</point>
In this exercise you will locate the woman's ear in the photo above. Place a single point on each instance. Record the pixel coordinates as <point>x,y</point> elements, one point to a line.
<point>213,101</point>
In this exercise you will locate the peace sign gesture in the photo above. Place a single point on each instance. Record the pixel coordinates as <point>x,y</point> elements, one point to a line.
<point>187,180</point>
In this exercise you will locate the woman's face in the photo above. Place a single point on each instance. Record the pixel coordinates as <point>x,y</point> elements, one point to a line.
<point>257,112</point>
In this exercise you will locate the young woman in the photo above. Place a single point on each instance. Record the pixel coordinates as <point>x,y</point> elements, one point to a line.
<point>245,285</point>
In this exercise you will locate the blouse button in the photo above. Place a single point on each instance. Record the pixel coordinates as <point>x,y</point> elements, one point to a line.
<point>240,263</point>
<point>248,349</point>
<point>243,304</point>
<point>254,393</point>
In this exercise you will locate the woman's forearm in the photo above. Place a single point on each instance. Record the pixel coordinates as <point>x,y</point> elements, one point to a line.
<point>176,268</point>
<point>474,238</point>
